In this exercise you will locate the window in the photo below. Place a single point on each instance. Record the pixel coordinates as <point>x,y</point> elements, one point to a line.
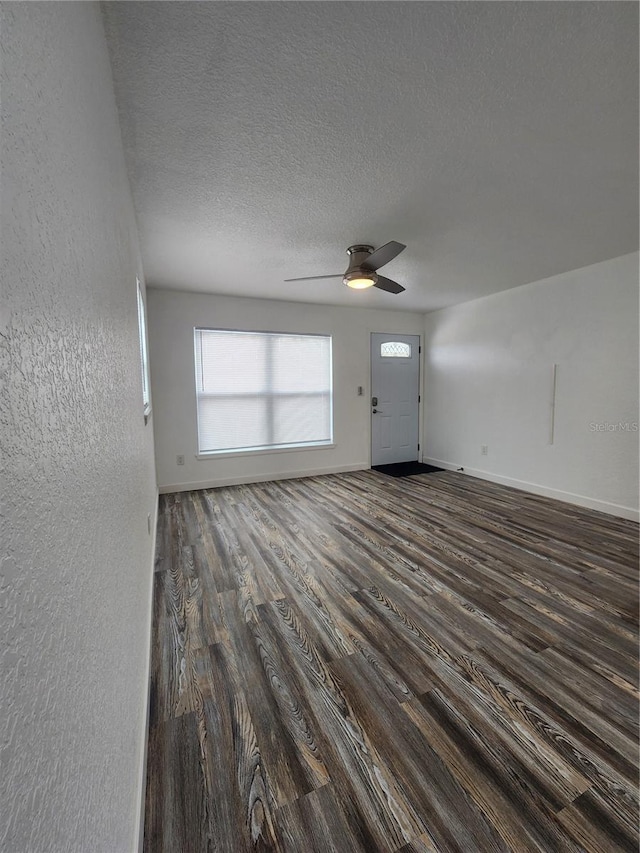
<point>262,390</point>
<point>395,349</point>
<point>144,359</point>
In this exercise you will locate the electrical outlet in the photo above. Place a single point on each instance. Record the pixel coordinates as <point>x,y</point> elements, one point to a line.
<point>360,390</point>
<point>149,524</point>
<point>484,449</point>
<point>180,459</point>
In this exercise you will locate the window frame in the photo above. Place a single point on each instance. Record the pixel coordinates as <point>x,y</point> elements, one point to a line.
<point>144,352</point>
<point>263,449</point>
<point>407,352</point>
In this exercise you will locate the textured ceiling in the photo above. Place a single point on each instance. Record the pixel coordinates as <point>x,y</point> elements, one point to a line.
<point>499,141</point>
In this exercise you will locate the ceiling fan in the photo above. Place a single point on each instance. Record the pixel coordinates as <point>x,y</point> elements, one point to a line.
<point>364,263</point>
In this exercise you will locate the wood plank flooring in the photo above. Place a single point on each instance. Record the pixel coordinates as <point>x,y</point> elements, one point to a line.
<point>361,663</point>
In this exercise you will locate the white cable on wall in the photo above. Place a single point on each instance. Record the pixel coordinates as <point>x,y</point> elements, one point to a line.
<point>552,424</point>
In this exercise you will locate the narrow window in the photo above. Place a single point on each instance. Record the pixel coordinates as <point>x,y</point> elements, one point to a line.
<point>395,349</point>
<point>144,359</point>
<point>262,390</point>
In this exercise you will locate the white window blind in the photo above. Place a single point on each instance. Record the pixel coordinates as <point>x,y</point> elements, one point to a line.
<point>261,390</point>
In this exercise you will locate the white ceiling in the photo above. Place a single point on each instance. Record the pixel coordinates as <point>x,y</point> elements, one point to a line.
<point>499,141</point>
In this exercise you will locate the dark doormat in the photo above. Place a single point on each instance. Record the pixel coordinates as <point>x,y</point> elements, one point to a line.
<point>405,469</point>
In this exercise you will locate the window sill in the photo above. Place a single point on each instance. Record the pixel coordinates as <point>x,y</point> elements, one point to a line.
<point>229,454</point>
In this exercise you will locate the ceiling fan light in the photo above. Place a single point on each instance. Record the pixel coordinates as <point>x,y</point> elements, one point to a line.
<point>360,280</point>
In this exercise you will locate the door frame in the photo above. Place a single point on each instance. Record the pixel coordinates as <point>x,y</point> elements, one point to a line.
<point>421,390</point>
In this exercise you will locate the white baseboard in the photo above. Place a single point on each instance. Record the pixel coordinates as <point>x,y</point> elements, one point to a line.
<point>142,773</point>
<point>568,497</point>
<point>259,478</point>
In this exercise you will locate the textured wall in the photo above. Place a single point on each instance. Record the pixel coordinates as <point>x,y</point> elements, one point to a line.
<point>77,480</point>
<point>173,315</point>
<point>489,382</point>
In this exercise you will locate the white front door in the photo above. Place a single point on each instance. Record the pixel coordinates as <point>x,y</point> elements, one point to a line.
<point>395,389</point>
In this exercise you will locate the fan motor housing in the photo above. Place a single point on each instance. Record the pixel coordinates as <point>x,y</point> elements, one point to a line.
<point>356,271</point>
<point>357,255</point>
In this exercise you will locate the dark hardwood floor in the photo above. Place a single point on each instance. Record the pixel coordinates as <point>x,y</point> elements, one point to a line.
<point>361,663</point>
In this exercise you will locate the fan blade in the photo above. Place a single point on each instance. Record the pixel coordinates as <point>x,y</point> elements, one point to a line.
<point>314,277</point>
<point>388,285</point>
<point>382,255</point>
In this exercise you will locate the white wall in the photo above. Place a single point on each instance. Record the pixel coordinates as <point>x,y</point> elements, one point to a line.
<point>77,479</point>
<point>488,381</point>
<point>172,318</point>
